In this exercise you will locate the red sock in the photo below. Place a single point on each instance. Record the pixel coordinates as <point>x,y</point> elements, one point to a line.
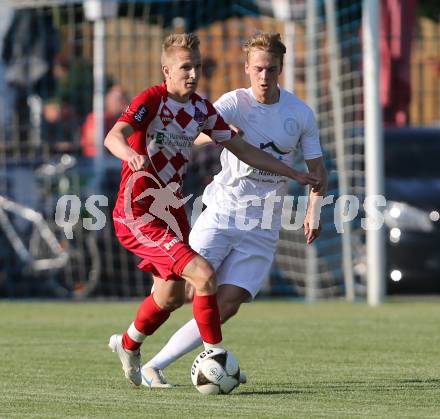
<point>207,316</point>
<point>148,319</point>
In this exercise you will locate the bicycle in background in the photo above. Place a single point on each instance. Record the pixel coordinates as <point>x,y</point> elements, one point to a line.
<point>38,249</point>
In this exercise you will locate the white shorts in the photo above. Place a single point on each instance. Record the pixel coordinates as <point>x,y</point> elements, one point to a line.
<point>241,258</point>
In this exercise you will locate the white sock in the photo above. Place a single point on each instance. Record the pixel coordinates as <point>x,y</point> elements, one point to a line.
<point>134,334</point>
<point>213,345</point>
<point>183,341</point>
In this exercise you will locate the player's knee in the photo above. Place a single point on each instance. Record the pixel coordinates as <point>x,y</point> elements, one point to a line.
<point>203,278</point>
<point>206,284</point>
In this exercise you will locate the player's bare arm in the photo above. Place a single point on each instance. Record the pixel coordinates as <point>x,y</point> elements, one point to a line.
<point>116,142</point>
<point>264,161</point>
<point>312,223</point>
<point>202,140</point>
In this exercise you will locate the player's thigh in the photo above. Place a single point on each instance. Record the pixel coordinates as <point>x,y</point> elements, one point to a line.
<point>210,240</point>
<point>248,264</point>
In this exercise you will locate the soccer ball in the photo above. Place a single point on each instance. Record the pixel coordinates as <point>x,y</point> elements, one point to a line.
<point>215,371</point>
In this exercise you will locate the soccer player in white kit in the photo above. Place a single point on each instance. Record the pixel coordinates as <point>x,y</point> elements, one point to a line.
<point>238,231</point>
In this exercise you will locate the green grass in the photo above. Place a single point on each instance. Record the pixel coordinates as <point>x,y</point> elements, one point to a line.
<point>333,360</point>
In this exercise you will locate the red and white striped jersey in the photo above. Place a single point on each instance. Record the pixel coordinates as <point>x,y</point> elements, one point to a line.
<point>165,131</point>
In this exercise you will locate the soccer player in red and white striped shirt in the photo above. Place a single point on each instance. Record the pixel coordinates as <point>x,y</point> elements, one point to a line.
<point>153,138</point>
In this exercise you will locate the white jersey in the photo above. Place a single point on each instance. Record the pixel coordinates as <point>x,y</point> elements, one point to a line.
<point>278,129</point>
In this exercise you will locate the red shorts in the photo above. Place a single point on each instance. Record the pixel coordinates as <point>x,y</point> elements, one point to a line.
<point>162,252</point>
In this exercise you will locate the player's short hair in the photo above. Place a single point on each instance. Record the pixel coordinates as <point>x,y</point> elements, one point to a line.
<point>266,41</point>
<point>188,41</point>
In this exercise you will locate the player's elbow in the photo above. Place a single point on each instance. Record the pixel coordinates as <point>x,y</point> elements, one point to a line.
<point>111,140</point>
<point>108,141</point>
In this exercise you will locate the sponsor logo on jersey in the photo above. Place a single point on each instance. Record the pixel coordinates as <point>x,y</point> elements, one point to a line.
<point>172,139</point>
<point>166,116</point>
<point>170,244</point>
<point>199,116</point>
<point>159,137</point>
<point>140,113</point>
<point>264,173</point>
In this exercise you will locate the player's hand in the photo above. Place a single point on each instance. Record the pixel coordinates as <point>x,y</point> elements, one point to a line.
<point>137,162</point>
<point>312,228</point>
<point>307,179</point>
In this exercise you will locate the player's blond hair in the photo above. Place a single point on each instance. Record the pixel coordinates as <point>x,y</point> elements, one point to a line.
<point>188,41</point>
<point>266,41</point>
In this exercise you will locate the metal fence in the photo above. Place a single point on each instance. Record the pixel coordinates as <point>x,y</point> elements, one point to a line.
<point>47,129</point>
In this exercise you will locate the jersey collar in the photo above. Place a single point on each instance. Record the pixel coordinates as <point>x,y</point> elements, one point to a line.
<point>164,93</point>
<point>256,104</point>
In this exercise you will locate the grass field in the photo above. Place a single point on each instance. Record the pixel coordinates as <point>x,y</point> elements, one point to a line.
<point>323,360</point>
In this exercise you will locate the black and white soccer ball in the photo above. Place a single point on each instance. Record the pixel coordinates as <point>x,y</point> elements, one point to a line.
<point>215,371</point>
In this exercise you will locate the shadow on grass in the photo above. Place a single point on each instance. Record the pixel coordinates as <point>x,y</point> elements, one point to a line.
<point>270,392</point>
<point>384,386</point>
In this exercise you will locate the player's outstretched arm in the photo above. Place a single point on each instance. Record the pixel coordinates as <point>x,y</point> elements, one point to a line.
<point>203,139</point>
<point>312,223</point>
<point>264,161</point>
<point>116,142</point>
